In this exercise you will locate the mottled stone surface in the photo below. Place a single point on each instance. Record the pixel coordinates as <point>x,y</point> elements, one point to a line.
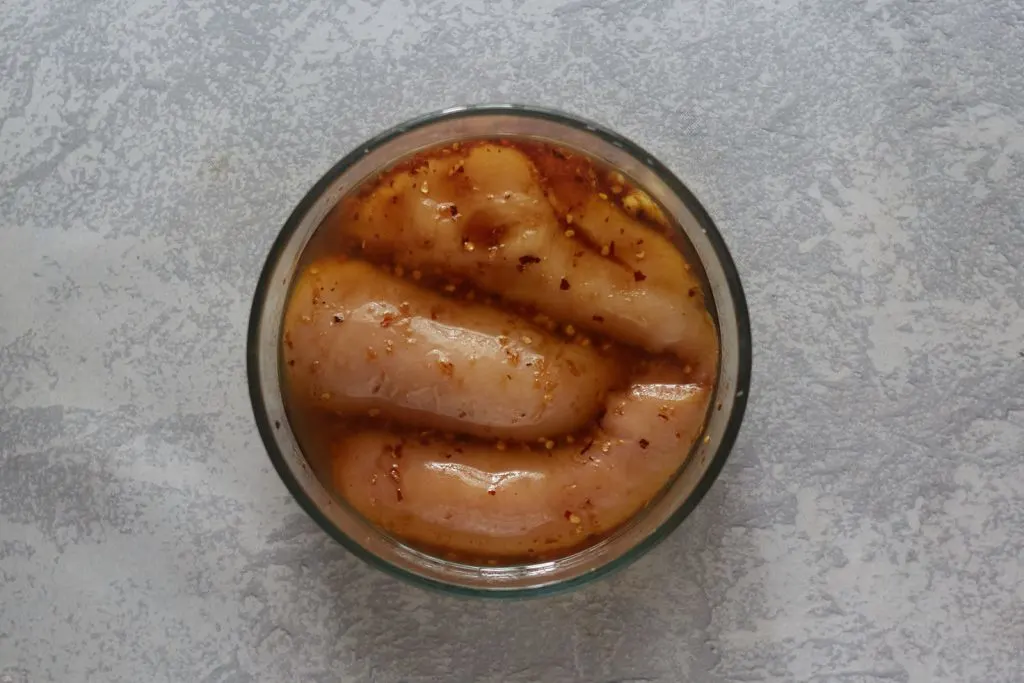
<point>865,161</point>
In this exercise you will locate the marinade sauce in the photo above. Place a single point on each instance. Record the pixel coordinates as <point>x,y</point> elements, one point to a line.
<point>496,352</point>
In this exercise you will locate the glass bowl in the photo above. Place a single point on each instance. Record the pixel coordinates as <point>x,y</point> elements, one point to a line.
<point>698,237</point>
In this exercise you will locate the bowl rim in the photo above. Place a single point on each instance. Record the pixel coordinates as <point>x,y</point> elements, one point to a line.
<point>700,214</point>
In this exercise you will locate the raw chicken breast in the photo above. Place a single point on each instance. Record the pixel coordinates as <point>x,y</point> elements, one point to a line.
<point>362,342</point>
<point>477,500</point>
<point>483,215</point>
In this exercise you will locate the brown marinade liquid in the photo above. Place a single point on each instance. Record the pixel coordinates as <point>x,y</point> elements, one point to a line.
<point>497,351</point>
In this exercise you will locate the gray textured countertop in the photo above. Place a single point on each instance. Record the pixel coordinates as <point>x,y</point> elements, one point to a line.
<point>865,161</point>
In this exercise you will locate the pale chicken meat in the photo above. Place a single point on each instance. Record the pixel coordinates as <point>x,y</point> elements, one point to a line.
<point>362,342</point>
<point>482,215</point>
<point>479,501</point>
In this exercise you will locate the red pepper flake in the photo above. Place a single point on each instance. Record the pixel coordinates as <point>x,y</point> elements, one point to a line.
<point>567,514</point>
<point>587,447</point>
<point>611,248</point>
<point>337,318</point>
<point>528,259</point>
<point>454,210</point>
<point>491,492</point>
<point>447,367</point>
<point>692,292</point>
<point>291,363</point>
<point>277,424</point>
<point>387,320</point>
<point>598,318</point>
<point>639,276</point>
<point>564,284</point>
<point>644,443</point>
<point>398,494</point>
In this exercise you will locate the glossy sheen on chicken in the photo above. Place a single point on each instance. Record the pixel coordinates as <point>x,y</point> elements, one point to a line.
<point>483,214</point>
<point>361,342</point>
<point>475,500</point>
